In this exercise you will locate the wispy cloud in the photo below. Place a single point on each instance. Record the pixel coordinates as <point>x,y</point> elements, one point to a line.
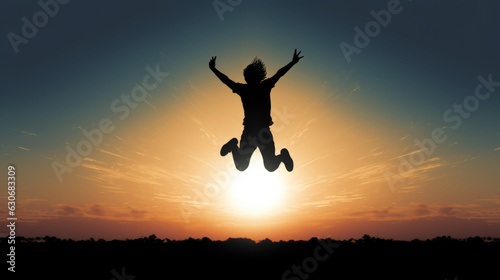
<point>29,133</point>
<point>412,211</point>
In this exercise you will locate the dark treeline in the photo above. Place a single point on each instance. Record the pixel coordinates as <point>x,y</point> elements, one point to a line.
<point>241,258</point>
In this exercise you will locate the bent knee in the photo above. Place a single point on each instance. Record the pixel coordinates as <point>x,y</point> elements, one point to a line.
<point>271,166</point>
<point>241,166</point>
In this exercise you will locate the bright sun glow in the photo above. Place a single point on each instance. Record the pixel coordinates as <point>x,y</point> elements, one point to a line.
<point>256,191</point>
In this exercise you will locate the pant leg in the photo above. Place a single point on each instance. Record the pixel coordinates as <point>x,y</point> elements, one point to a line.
<point>267,149</point>
<point>243,154</point>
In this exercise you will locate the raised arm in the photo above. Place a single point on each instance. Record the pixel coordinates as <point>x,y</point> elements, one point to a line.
<point>282,71</point>
<point>220,75</point>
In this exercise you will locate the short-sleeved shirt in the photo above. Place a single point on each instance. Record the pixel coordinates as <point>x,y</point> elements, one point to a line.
<point>256,101</point>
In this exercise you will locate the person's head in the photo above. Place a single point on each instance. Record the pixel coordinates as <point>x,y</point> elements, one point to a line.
<point>255,72</point>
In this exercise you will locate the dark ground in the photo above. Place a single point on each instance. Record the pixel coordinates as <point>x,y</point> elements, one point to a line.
<point>152,258</point>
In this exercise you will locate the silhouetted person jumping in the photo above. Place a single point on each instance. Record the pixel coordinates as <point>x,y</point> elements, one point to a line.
<point>256,98</point>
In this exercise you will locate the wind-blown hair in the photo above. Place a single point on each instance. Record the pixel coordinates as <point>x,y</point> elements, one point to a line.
<point>255,72</point>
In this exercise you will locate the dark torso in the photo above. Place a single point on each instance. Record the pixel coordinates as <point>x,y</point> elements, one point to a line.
<point>256,101</point>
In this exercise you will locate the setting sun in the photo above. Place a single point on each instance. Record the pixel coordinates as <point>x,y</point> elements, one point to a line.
<point>256,191</point>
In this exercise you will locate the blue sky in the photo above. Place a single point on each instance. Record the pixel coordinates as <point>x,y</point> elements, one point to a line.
<point>423,62</point>
<point>429,55</point>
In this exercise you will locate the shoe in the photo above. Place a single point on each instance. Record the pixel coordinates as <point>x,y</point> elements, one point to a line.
<point>286,159</point>
<point>228,147</point>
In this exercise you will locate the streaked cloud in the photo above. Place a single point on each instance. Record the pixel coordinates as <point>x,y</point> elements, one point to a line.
<point>29,133</point>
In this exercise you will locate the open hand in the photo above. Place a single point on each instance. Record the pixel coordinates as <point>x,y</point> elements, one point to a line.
<point>296,56</point>
<point>211,64</point>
